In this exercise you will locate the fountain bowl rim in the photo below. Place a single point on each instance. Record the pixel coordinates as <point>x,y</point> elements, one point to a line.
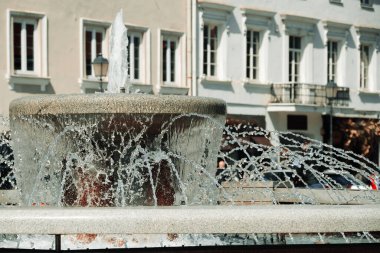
<point>115,103</point>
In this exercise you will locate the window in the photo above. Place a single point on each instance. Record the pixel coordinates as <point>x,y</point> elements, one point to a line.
<point>332,56</point>
<point>256,27</point>
<point>24,45</point>
<point>27,51</point>
<point>210,50</point>
<point>169,48</point>
<point>300,43</point>
<point>294,58</point>
<point>172,63</point>
<point>364,64</point>
<point>94,40</point>
<point>253,40</point>
<point>368,66</point>
<point>172,72</point>
<point>139,53</point>
<point>297,122</point>
<point>134,55</point>
<point>214,33</point>
<point>337,39</point>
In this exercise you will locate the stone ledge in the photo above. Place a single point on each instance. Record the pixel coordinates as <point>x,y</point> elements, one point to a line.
<point>185,219</point>
<point>114,103</point>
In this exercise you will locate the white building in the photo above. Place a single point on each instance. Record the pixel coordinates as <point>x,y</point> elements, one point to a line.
<point>271,60</point>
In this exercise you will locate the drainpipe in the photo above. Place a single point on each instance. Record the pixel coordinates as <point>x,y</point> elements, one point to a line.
<point>194,18</point>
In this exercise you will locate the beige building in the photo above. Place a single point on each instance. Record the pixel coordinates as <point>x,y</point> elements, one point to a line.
<point>47,46</point>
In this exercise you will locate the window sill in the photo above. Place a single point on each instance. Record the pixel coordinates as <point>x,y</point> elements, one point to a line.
<point>368,92</point>
<point>367,7</point>
<point>336,2</point>
<point>15,80</point>
<point>205,80</point>
<point>173,90</point>
<point>87,84</point>
<point>255,83</point>
<point>141,88</point>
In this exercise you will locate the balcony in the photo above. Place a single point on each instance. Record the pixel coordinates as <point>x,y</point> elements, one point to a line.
<point>307,94</point>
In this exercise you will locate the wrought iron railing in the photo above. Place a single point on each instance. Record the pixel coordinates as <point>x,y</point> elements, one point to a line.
<point>307,94</point>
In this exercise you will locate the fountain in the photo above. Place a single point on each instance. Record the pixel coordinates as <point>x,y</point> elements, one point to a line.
<point>128,149</point>
<point>131,154</point>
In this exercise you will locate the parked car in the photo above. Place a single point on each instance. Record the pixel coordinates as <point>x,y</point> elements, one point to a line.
<point>282,178</point>
<point>337,180</point>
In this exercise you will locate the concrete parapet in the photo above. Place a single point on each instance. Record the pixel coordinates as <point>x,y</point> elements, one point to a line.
<point>191,219</point>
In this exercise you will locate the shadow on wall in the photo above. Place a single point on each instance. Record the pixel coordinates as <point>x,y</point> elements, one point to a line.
<point>372,98</point>
<point>318,40</point>
<point>258,89</point>
<point>233,25</point>
<point>33,89</point>
<point>350,41</point>
<point>219,86</point>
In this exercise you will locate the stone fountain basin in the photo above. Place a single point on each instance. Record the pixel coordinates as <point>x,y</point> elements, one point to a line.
<point>48,128</point>
<point>116,103</point>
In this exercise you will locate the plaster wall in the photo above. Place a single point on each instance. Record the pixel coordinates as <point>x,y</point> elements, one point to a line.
<point>63,37</point>
<point>278,121</point>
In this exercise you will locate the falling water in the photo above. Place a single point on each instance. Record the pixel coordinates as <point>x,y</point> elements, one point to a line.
<point>152,164</point>
<point>116,159</point>
<point>142,165</point>
<point>288,169</point>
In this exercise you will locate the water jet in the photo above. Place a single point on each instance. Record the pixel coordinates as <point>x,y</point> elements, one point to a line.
<point>144,167</point>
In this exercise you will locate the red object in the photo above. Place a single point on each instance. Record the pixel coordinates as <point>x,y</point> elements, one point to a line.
<point>374,186</point>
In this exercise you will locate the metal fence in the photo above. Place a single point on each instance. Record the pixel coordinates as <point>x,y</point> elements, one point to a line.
<point>307,94</point>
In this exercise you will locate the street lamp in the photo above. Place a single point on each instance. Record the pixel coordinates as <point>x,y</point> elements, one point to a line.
<point>100,65</point>
<point>331,95</point>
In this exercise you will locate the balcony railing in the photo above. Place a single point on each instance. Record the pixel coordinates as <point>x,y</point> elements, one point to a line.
<point>307,94</point>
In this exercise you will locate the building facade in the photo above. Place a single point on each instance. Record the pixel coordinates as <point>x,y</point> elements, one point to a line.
<point>48,46</point>
<point>272,62</point>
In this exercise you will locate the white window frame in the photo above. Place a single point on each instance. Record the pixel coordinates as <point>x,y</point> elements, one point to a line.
<point>253,55</point>
<point>39,75</point>
<point>368,37</point>
<point>294,77</point>
<point>338,33</point>
<point>262,22</point>
<point>91,83</point>
<point>168,59</point>
<point>364,67</point>
<point>332,61</point>
<point>179,85</point>
<point>144,54</point>
<point>24,22</point>
<point>209,51</point>
<point>94,30</point>
<point>143,83</point>
<point>213,14</point>
<point>305,28</point>
<point>131,55</point>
